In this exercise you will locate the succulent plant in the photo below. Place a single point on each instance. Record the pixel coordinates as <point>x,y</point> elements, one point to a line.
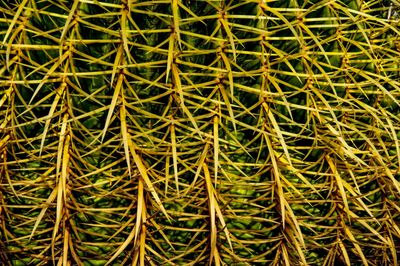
<point>175,132</point>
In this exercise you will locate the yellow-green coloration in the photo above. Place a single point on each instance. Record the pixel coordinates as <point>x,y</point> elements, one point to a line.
<point>171,132</point>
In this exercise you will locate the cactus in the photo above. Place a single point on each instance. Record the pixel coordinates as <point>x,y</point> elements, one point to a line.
<point>199,132</point>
